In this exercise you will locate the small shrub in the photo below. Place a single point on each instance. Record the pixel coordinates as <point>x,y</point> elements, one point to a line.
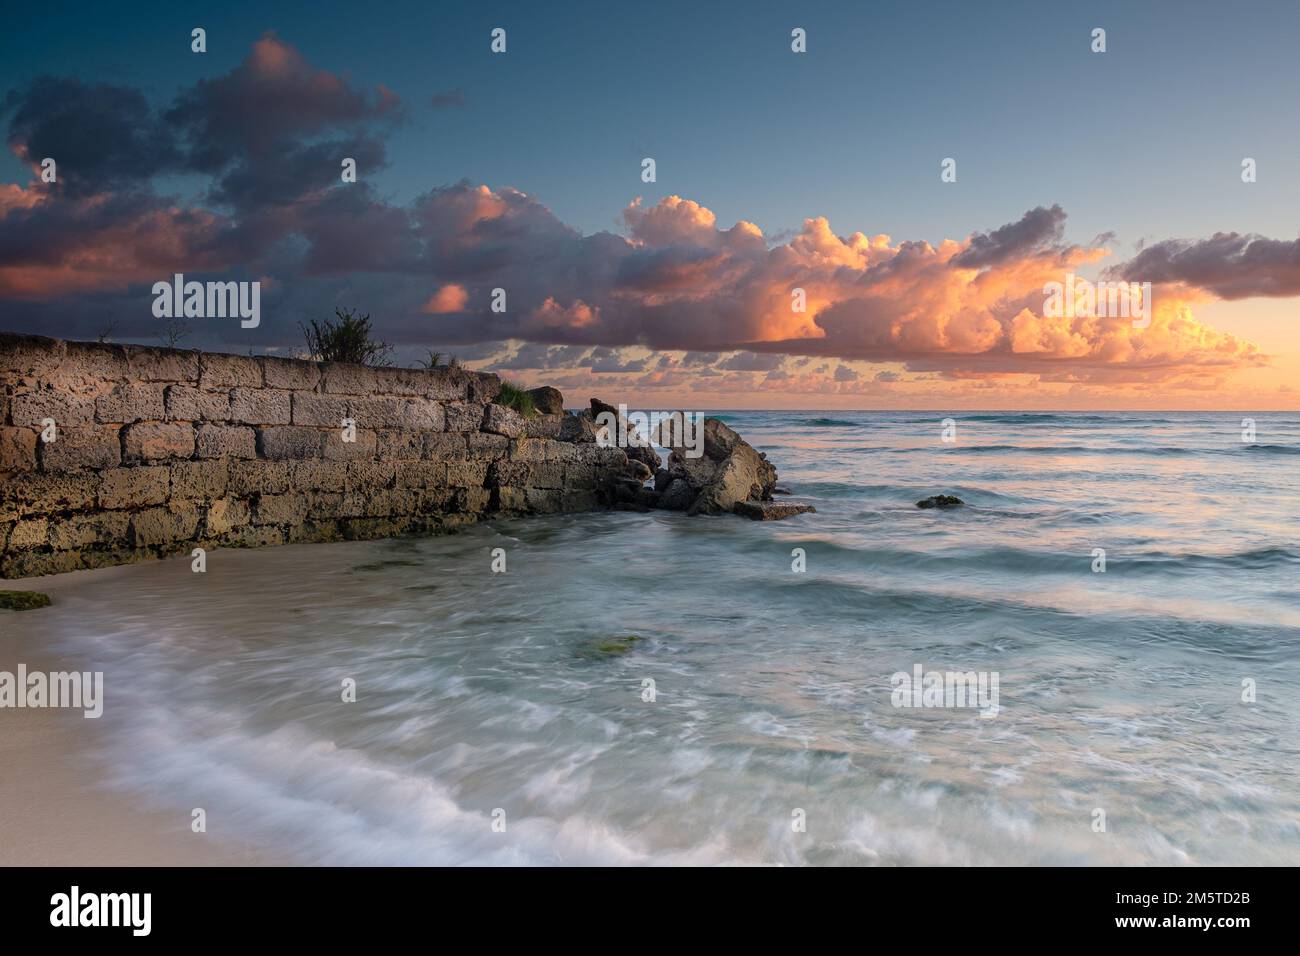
<point>345,340</point>
<point>512,396</point>
<point>436,360</point>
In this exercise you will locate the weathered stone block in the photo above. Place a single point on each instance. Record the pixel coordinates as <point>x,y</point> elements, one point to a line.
<point>423,414</point>
<point>510,499</point>
<point>547,474</point>
<point>255,536</point>
<point>32,408</point>
<point>289,373</point>
<point>30,356</point>
<point>483,387</point>
<point>324,504</point>
<point>470,500</point>
<point>189,404</point>
<point>377,412</point>
<point>260,477</point>
<point>162,365</point>
<point>323,410</point>
<point>320,475</point>
<point>18,449</point>
<point>467,474</point>
<point>228,371</point>
<point>615,458</point>
<point>439,447</point>
<point>131,403</point>
<point>485,446</point>
<point>446,384</point>
<point>503,421</point>
<point>85,531</point>
<point>134,487</point>
<point>580,476</point>
<point>542,449</point>
<point>403,381</point>
<point>290,442</point>
<point>544,500</point>
<point>199,480</point>
<point>370,475</point>
<point>226,441</point>
<point>467,417</point>
<point>29,533</point>
<point>399,445</point>
<point>95,446</point>
<point>25,564</point>
<point>508,473</point>
<point>226,514</point>
<point>156,441</point>
<point>421,474</point>
<point>163,526</point>
<point>543,426</point>
<point>336,449</point>
<point>344,379</point>
<point>93,363</point>
<point>251,406</point>
<point>279,509</point>
<point>44,493</point>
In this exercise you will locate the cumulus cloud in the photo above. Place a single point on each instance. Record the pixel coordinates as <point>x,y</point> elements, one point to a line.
<point>719,298</point>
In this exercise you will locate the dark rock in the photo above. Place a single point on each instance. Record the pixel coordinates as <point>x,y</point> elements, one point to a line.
<point>636,445</point>
<point>678,495</point>
<point>579,428</point>
<point>547,400</point>
<point>730,470</point>
<point>771,510</point>
<point>644,454</point>
<point>940,501</point>
<point>638,469</point>
<point>648,497</point>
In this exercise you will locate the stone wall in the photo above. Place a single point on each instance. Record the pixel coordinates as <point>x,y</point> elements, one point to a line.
<point>159,450</point>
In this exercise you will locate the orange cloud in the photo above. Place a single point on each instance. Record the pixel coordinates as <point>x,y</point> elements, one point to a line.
<point>450,298</point>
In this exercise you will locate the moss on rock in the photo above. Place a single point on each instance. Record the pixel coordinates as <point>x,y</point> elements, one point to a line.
<point>23,600</point>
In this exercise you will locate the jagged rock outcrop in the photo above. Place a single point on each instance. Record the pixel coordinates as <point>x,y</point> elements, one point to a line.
<point>726,476</point>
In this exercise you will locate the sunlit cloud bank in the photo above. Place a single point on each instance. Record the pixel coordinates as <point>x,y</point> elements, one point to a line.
<point>676,304</point>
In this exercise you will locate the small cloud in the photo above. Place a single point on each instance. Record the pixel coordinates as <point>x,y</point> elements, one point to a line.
<point>450,298</point>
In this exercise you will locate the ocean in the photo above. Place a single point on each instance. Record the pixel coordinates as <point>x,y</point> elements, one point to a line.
<point>659,689</point>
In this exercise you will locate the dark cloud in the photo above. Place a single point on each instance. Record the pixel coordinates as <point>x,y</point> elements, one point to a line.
<point>100,136</point>
<point>1228,264</point>
<point>274,96</point>
<point>1037,231</point>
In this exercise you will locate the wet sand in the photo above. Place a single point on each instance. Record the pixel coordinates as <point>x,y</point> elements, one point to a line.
<point>53,809</point>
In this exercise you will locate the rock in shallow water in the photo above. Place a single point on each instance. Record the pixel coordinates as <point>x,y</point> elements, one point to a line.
<point>730,470</point>
<point>771,510</point>
<point>23,600</point>
<point>940,501</point>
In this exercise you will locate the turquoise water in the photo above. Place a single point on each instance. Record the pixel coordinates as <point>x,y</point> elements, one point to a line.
<point>1119,692</point>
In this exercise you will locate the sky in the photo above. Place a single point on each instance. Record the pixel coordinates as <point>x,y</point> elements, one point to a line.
<point>775,171</point>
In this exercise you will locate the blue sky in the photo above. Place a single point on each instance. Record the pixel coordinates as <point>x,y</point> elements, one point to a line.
<point>1067,160</point>
<point>1144,140</point>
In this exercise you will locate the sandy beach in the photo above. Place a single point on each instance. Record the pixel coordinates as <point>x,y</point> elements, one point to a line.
<point>53,811</point>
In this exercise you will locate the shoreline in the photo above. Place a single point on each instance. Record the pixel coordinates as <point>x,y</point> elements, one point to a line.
<point>53,811</point>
